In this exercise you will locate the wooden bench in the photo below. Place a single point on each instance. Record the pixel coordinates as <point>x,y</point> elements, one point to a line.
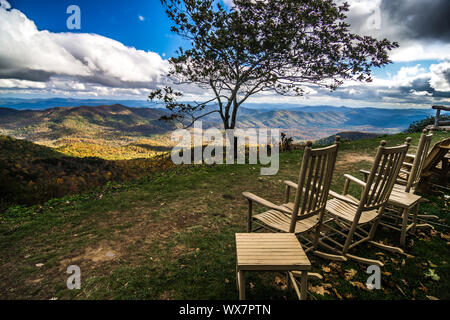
<point>271,252</point>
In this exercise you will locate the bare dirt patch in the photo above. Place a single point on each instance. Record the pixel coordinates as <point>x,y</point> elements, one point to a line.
<point>350,158</point>
<point>99,254</point>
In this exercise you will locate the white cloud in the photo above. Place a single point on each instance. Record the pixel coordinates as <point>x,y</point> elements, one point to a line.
<point>27,53</point>
<point>89,65</point>
<point>440,76</point>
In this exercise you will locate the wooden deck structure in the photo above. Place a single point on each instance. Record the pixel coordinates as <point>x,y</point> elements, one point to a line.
<point>438,124</point>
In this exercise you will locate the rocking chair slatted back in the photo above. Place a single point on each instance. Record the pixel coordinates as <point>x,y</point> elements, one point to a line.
<point>419,160</point>
<point>382,177</point>
<point>314,182</point>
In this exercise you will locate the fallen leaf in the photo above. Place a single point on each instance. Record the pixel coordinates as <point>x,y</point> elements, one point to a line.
<point>319,290</point>
<point>348,296</point>
<point>326,269</point>
<point>432,274</point>
<point>386,273</point>
<point>432,298</point>
<point>334,266</point>
<point>252,285</point>
<point>358,285</point>
<point>405,282</point>
<point>39,265</point>
<point>445,236</point>
<point>432,264</point>
<point>422,287</point>
<point>227,281</point>
<point>349,274</point>
<point>337,294</point>
<point>401,291</point>
<point>282,283</point>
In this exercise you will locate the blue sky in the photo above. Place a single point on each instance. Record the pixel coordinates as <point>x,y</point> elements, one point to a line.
<point>122,48</point>
<point>118,20</point>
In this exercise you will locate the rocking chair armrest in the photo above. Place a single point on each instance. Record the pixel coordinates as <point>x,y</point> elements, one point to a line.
<point>252,197</point>
<point>355,180</point>
<point>290,184</point>
<point>365,173</point>
<point>342,198</point>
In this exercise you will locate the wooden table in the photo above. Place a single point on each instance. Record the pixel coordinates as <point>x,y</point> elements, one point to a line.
<point>270,252</point>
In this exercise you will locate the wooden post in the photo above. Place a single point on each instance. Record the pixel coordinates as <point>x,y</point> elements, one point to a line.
<point>436,120</point>
<point>304,286</point>
<point>287,193</point>
<point>404,225</point>
<point>241,281</point>
<point>250,211</point>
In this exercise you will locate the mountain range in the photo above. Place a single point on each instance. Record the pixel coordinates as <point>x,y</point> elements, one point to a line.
<point>122,125</point>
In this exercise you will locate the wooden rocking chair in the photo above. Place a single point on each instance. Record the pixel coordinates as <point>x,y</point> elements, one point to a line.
<point>350,217</point>
<point>436,165</point>
<point>403,194</point>
<point>305,213</point>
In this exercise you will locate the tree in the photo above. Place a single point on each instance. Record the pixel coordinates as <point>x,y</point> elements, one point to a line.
<point>262,45</point>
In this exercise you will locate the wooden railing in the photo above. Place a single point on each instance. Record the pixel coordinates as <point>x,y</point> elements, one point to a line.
<point>438,109</point>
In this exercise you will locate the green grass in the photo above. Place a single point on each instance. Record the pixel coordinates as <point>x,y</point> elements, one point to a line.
<point>172,237</point>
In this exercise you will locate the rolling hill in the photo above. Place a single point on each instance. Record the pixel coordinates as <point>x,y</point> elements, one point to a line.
<point>118,131</point>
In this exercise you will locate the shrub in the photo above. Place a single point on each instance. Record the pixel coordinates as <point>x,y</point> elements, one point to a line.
<point>418,126</point>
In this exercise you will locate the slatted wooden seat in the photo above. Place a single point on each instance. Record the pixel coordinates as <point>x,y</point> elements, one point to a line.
<point>270,252</point>
<point>282,222</point>
<point>348,211</point>
<point>400,198</point>
<point>355,221</point>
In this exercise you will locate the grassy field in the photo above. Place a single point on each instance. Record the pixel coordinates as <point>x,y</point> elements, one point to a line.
<point>171,236</point>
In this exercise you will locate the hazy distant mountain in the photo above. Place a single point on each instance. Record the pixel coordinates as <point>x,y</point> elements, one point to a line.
<point>40,104</point>
<point>100,122</point>
<point>116,121</point>
<point>347,136</point>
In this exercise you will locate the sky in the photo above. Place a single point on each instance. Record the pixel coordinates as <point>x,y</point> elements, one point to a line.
<point>122,48</point>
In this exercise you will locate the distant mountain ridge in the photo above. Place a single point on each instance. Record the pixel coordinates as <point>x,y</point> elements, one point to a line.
<point>97,122</point>
<point>347,136</point>
<point>125,123</point>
